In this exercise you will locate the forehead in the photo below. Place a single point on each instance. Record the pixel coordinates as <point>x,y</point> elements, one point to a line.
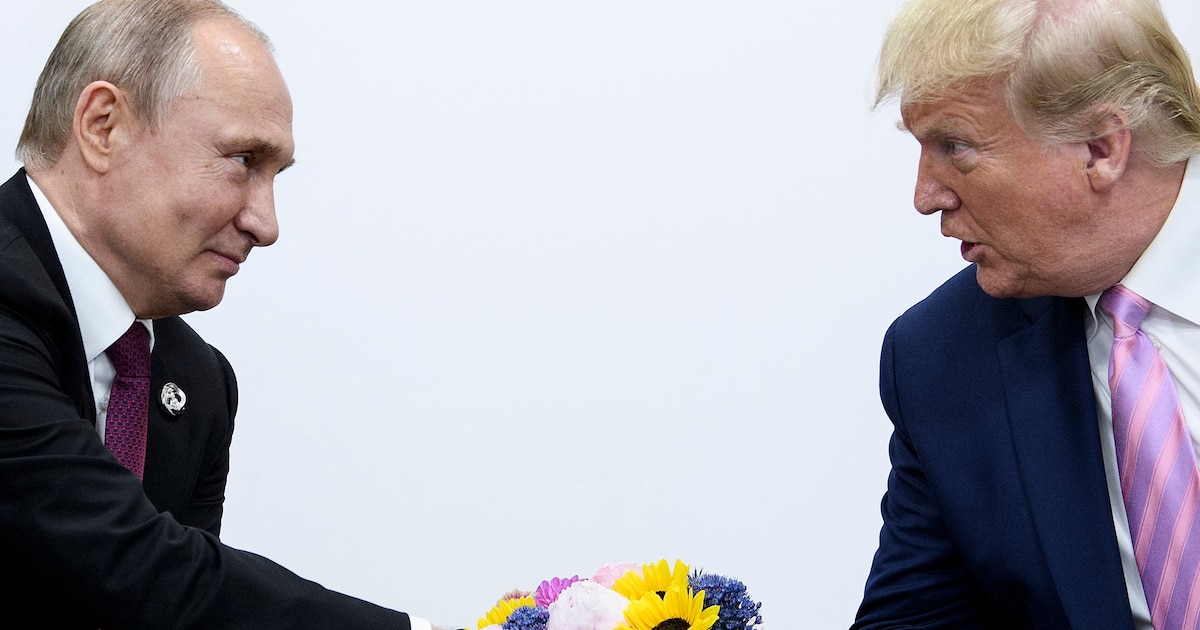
<point>975,107</point>
<point>241,83</point>
<point>231,56</point>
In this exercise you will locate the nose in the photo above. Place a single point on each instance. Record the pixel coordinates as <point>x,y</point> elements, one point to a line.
<point>257,218</point>
<point>931,195</point>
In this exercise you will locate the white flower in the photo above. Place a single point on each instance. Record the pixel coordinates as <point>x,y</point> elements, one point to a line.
<point>587,605</point>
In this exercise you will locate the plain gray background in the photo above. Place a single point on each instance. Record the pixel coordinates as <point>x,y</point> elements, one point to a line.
<point>564,283</point>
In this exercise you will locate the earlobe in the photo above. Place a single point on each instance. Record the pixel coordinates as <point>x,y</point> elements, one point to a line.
<point>99,114</point>
<point>1109,151</point>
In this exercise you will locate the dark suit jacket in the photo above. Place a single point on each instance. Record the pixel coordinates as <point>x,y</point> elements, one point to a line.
<point>997,512</point>
<point>83,543</point>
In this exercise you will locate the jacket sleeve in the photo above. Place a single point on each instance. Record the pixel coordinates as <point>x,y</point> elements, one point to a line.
<point>917,579</point>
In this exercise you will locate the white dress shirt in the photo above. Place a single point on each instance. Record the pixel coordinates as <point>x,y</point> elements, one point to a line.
<point>104,315</point>
<point>1167,275</point>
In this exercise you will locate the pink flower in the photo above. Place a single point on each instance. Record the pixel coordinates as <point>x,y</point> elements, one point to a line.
<point>586,605</point>
<point>613,571</point>
<point>516,593</point>
<point>548,590</point>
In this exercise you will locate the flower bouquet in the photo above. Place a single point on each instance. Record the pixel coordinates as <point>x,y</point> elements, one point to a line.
<point>627,597</point>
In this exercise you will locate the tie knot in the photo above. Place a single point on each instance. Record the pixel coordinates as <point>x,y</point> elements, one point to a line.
<point>130,355</point>
<point>1127,308</point>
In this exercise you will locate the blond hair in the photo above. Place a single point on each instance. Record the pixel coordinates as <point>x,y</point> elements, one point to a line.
<point>1067,65</point>
<point>144,47</point>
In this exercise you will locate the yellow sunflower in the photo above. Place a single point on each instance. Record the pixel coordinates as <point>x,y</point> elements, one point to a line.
<point>503,608</point>
<point>655,578</point>
<point>679,609</point>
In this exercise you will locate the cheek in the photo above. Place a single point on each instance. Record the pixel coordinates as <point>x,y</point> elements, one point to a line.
<point>1019,206</point>
<point>207,206</point>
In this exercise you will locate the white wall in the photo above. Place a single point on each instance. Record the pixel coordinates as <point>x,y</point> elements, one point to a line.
<point>568,283</point>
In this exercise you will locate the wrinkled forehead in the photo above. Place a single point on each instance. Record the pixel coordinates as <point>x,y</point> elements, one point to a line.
<point>949,89</point>
<point>972,94</point>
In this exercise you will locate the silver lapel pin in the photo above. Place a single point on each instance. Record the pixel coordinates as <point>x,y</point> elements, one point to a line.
<point>173,399</point>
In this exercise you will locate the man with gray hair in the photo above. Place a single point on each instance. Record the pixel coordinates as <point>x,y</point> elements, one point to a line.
<point>1046,400</point>
<point>151,148</point>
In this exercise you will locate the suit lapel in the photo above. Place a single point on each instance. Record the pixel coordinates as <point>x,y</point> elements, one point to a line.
<point>20,207</point>
<point>185,452</point>
<point>1052,410</point>
<point>173,448</point>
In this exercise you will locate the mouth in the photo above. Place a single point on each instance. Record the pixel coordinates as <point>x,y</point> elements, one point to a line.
<point>971,251</point>
<point>229,262</point>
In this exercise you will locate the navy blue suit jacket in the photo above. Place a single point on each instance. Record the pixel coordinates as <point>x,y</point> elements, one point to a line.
<point>83,543</point>
<point>997,512</point>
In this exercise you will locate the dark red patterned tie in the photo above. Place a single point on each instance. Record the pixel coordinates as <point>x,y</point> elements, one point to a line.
<point>129,400</point>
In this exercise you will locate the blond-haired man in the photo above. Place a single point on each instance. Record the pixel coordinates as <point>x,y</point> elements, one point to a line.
<point>1055,143</point>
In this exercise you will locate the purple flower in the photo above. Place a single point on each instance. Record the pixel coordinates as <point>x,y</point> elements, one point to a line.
<point>548,590</point>
<point>738,611</point>
<point>527,618</point>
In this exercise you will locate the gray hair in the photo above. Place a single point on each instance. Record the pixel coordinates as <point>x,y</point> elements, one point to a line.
<point>143,47</point>
<point>1068,64</point>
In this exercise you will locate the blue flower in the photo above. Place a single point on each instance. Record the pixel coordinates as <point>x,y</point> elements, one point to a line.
<point>738,611</point>
<point>527,618</point>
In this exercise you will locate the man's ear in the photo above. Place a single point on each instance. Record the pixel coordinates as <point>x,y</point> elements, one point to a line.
<point>102,115</point>
<point>1109,151</point>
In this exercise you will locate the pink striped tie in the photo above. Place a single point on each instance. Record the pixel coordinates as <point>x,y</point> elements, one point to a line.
<point>1159,477</point>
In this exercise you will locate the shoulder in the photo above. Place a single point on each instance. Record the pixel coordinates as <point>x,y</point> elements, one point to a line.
<point>945,356</point>
<point>31,278</point>
<point>958,314</point>
<point>37,319</point>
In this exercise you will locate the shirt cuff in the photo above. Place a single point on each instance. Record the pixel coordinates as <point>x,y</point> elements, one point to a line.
<point>416,623</point>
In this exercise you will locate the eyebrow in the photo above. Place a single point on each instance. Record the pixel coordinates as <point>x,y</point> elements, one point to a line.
<point>935,131</point>
<point>263,148</point>
<point>939,126</point>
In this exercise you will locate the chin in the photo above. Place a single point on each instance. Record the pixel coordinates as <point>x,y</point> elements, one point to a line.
<point>202,307</point>
<point>202,300</point>
<point>997,285</point>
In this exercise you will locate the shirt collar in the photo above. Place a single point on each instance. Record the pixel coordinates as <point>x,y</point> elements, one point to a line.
<point>103,313</point>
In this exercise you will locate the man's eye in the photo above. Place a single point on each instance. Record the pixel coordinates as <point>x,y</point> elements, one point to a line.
<point>244,160</point>
<point>953,147</point>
